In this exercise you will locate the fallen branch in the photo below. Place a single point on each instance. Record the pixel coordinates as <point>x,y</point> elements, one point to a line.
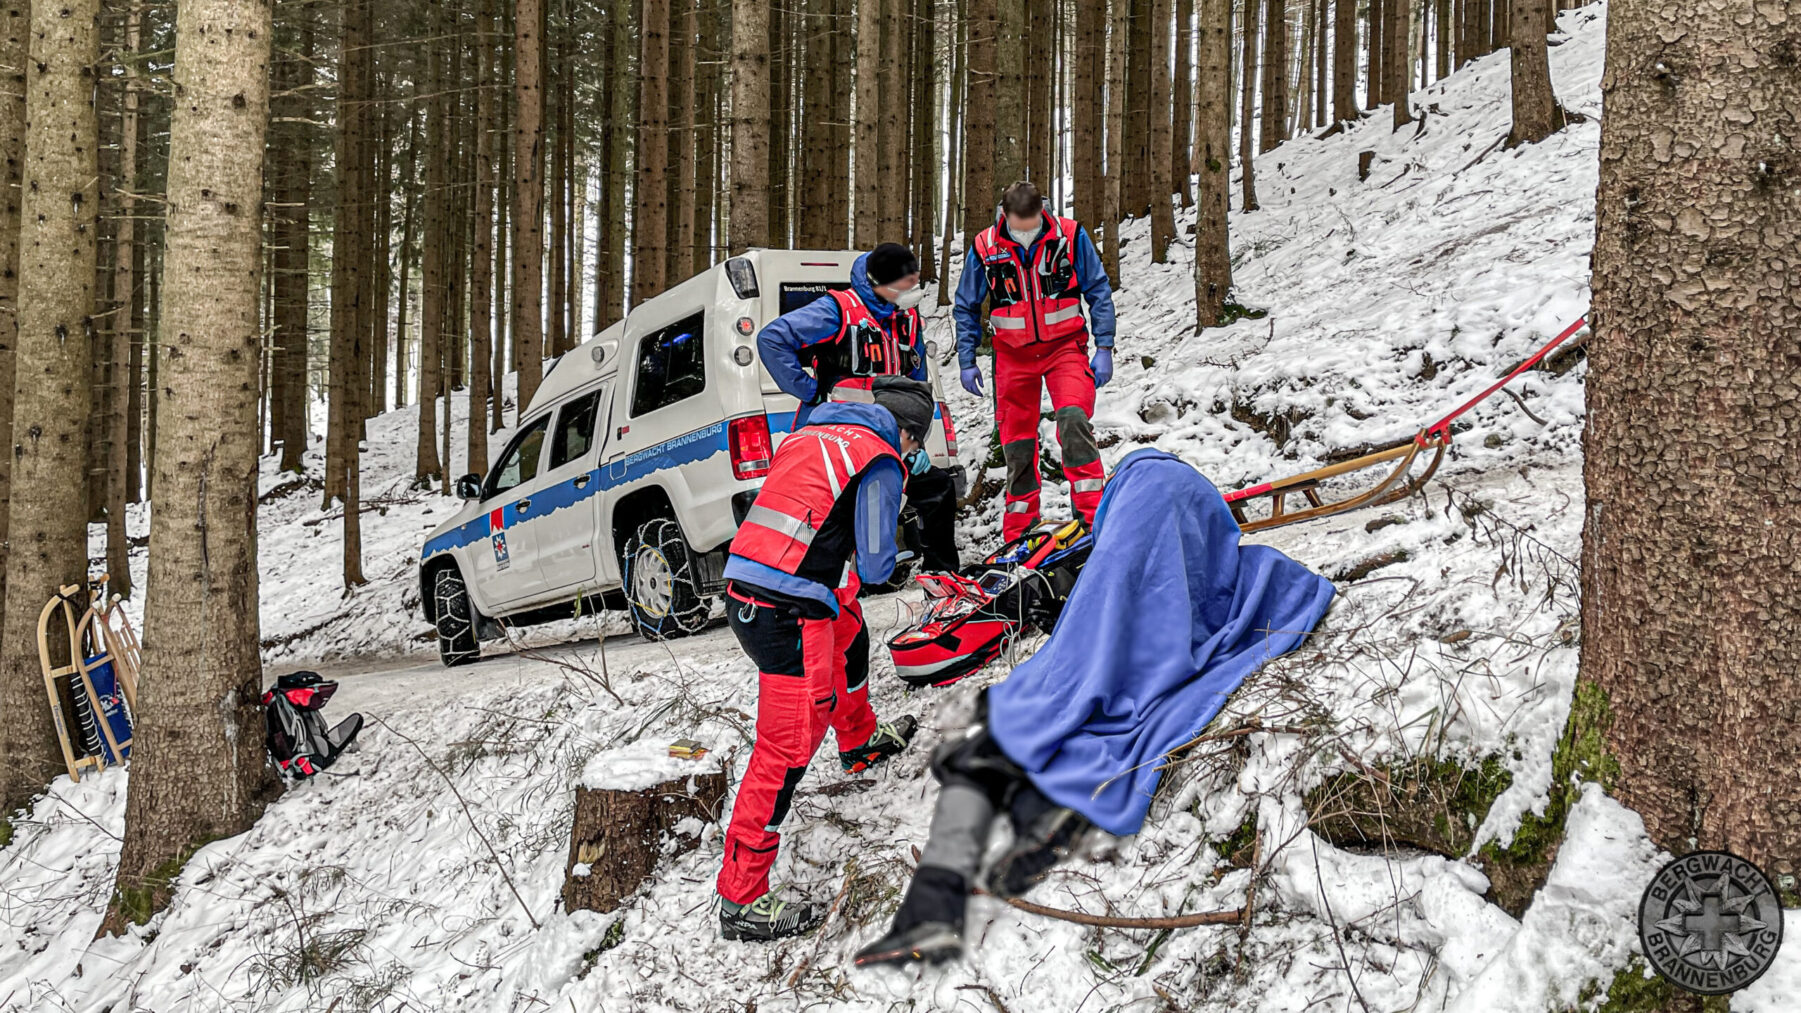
<point>1116,922</point>
<point>850,876</point>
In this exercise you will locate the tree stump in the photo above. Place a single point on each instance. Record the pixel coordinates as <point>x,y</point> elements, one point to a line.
<point>634,808</point>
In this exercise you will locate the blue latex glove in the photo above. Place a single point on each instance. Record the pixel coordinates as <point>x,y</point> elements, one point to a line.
<point>972,380</point>
<point>1102,365</point>
<point>918,461</point>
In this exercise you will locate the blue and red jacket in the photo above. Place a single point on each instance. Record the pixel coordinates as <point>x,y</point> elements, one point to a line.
<point>833,492</point>
<point>1090,278</point>
<point>786,340</point>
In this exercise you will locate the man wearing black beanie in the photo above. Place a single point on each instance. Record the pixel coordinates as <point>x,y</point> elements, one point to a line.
<point>836,347</point>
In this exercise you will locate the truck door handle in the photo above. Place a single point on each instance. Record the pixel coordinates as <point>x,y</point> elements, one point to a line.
<point>524,505</point>
<point>581,481</point>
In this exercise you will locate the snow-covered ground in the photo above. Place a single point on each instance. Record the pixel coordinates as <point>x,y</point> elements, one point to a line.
<point>424,873</point>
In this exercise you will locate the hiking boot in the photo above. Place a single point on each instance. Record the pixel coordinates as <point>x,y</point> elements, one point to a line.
<point>768,918</point>
<point>928,942</point>
<point>890,737</point>
<point>1045,842</point>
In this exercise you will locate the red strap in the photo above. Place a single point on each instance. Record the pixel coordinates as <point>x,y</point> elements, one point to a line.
<point>1442,428</point>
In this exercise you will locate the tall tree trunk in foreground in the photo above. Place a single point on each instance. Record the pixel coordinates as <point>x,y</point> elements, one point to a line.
<point>14,31</point>
<point>1163,222</point>
<point>118,562</point>
<point>351,243</point>
<point>1536,114</point>
<point>198,771</point>
<point>1691,459</point>
<point>1213,96</point>
<point>47,530</point>
<point>750,124</point>
<point>528,197</point>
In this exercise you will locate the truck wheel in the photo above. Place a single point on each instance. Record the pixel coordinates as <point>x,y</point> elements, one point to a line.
<point>457,642</point>
<point>660,589</point>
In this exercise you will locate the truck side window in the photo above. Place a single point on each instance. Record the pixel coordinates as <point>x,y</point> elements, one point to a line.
<point>671,365</point>
<point>520,462</point>
<point>575,430</point>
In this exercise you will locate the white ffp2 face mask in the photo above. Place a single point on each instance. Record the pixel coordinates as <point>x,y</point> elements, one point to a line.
<point>911,298</point>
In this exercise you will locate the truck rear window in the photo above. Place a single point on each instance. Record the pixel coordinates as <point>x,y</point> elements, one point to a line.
<point>672,365</point>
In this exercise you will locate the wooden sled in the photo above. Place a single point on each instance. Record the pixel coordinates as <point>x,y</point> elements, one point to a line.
<point>82,636</point>
<point>1395,484</point>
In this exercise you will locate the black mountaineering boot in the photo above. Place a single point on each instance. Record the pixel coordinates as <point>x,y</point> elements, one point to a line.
<point>1045,841</point>
<point>929,925</point>
<point>767,918</point>
<point>890,737</point>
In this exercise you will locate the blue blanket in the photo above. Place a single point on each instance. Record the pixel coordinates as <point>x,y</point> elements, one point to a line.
<point>1168,618</point>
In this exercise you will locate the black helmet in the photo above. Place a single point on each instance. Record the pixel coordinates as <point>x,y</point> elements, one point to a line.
<point>909,401</point>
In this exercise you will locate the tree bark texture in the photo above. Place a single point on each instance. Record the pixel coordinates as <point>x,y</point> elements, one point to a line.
<point>1536,114</point>
<point>979,195</point>
<point>1344,60</point>
<point>1213,100</point>
<point>198,770</point>
<point>47,530</point>
<point>1273,130</point>
<point>1397,64</point>
<point>620,837</point>
<point>750,124</point>
<point>1247,73</point>
<point>528,197</point>
<point>1692,450</point>
<point>1119,14</point>
<point>1163,222</point>
<point>1008,94</point>
<point>15,31</point>
<point>1089,98</point>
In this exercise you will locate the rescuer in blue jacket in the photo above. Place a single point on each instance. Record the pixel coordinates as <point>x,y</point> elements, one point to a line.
<point>834,348</point>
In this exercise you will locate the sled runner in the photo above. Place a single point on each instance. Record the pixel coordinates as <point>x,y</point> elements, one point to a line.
<point>90,692</point>
<point>970,618</point>
<point>297,737</point>
<point>1397,482</point>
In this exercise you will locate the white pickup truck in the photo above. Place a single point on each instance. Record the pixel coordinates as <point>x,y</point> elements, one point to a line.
<point>634,464</point>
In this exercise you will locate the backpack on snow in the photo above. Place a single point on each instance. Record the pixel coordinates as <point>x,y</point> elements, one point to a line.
<point>297,737</point>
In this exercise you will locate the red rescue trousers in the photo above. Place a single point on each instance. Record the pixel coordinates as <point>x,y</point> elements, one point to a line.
<point>1019,375</point>
<point>813,674</point>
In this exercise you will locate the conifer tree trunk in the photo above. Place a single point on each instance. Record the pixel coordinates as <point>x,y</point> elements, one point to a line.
<point>1008,95</point>
<point>1182,92</point>
<point>1272,131</point>
<point>1163,224</point>
<point>1441,21</point>
<point>1375,28</point>
<point>1135,166</point>
<point>408,218</point>
<point>15,30</point>
<point>864,224</point>
<point>1344,60</point>
<point>1088,96</point>
<point>709,63</point>
<point>1536,114</point>
<point>1042,66</point>
<point>1691,459</point>
<point>680,178</point>
<point>783,49</point>
<point>1119,21</point>
<point>47,530</point>
<point>891,195</point>
<point>838,86</point>
<point>1321,70</point>
<point>750,125</point>
<point>650,224</point>
<point>815,214</point>
<point>1213,97</point>
<point>1397,62</point>
<point>481,263</point>
<point>924,107</point>
<point>618,172</point>
<point>290,169</point>
<point>432,260</point>
<point>1247,73</point>
<point>956,129</point>
<point>556,337</point>
<point>979,194</point>
<point>198,770</point>
<point>528,198</point>
<point>118,564</point>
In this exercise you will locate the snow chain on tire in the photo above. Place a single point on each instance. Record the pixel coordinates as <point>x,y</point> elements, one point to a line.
<point>457,642</point>
<point>660,589</point>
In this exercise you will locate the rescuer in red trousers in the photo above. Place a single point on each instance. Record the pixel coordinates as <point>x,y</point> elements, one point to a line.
<point>833,493</point>
<point>1035,270</point>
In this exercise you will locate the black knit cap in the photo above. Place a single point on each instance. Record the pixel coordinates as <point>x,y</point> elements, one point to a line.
<point>889,263</point>
<point>909,401</point>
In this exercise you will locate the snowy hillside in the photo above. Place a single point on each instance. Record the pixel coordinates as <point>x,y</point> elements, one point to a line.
<point>1387,302</point>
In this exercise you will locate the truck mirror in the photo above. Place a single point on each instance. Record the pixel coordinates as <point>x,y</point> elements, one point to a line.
<point>469,487</point>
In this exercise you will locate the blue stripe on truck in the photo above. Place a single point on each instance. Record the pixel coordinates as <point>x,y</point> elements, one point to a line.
<point>684,449</point>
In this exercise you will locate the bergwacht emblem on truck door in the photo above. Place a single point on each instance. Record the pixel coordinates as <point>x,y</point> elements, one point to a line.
<point>1710,922</point>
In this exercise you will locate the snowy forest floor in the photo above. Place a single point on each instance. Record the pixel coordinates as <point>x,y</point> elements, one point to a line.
<point>1381,304</point>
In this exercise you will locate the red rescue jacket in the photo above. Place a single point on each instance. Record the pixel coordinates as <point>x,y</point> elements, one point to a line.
<point>1042,302</point>
<point>812,468</point>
